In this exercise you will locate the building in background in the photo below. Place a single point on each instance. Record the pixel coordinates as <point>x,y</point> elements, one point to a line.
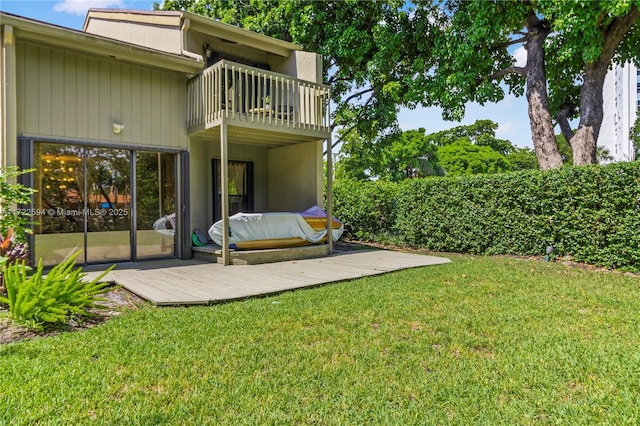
<point>620,99</point>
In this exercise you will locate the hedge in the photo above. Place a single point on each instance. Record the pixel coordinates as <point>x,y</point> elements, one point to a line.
<point>591,214</point>
<point>367,208</point>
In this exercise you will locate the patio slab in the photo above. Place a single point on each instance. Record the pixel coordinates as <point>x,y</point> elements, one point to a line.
<point>190,282</point>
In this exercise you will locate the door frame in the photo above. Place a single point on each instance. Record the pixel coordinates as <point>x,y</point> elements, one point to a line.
<point>216,190</point>
<point>26,160</point>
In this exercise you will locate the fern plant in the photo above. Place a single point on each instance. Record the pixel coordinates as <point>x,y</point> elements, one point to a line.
<point>39,300</point>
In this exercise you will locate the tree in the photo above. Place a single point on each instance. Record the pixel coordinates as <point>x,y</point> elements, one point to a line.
<point>593,35</point>
<point>409,154</point>
<point>634,135</point>
<point>395,156</point>
<point>357,159</point>
<point>460,150</point>
<point>464,158</point>
<point>569,46</point>
<point>603,155</point>
<point>522,159</point>
<point>565,149</point>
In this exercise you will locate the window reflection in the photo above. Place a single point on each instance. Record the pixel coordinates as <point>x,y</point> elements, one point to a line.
<point>84,202</point>
<point>156,204</point>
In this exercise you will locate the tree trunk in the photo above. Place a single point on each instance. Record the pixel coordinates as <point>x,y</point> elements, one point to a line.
<point>544,139</point>
<point>591,109</point>
<point>584,141</point>
<point>562,117</point>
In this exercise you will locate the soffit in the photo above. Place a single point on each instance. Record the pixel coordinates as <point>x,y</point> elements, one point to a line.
<point>238,35</point>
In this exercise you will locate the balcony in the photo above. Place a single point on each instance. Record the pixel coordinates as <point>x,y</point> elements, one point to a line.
<point>258,101</point>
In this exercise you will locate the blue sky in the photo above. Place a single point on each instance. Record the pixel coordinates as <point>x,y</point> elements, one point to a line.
<point>510,114</point>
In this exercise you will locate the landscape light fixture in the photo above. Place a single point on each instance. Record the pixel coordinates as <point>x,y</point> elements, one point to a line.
<point>117,128</point>
<point>548,252</point>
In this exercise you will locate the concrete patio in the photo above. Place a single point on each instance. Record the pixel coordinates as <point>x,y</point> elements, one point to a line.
<point>188,282</point>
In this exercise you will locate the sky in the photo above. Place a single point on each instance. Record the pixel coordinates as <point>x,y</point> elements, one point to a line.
<point>510,113</point>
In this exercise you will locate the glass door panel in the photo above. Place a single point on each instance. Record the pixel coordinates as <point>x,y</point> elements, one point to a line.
<point>155,204</point>
<point>84,202</point>
<point>108,202</point>
<point>58,202</point>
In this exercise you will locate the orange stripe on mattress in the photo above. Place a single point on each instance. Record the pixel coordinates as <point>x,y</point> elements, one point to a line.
<point>319,223</point>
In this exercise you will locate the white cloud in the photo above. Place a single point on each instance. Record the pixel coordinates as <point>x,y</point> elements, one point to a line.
<point>505,128</point>
<point>520,56</point>
<point>80,7</point>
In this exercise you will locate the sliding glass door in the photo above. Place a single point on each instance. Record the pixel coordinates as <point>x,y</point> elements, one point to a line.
<point>59,202</point>
<point>107,202</point>
<point>156,204</point>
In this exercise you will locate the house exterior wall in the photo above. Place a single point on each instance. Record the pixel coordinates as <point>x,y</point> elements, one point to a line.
<point>620,99</point>
<point>295,177</point>
<point>201,178</point>
<point>303,65</point>
<point>165,32</point>
<point>71,96</point>
<point>165,38</point>
<point>8,132</point>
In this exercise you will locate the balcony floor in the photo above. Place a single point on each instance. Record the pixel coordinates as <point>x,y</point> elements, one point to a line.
<point>248,133</point>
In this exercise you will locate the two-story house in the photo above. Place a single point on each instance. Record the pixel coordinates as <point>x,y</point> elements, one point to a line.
<point>146,116</point>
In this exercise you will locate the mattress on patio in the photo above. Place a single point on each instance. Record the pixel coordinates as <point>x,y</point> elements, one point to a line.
<point>275,230</point>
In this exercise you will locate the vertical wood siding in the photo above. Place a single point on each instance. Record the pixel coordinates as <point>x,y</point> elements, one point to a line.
<point>72,96</point>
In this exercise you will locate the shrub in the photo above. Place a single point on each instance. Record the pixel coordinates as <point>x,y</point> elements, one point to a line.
<point>10,253</point>
<point>36,301</point>
<point>13,220</point>
<point>366,208</point>
<point>589,213</point>
<point>12,197</point>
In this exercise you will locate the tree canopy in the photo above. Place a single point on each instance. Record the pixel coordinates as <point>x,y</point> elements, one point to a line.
<point>461,150</point>
<point>569,45</point>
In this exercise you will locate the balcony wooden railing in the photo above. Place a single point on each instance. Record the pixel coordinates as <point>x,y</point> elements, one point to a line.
<point>228,90</point>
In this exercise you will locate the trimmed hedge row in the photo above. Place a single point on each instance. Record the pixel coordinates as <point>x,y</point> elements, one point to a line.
<point>589,213</point>
<point>367,208</point>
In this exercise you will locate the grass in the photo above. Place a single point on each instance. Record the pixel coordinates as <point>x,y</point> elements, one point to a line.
<point>477,341</point>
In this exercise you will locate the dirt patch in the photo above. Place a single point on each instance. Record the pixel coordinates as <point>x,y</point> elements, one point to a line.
<point>118,301</point>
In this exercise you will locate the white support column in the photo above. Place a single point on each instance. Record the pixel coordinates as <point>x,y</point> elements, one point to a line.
<point>8,99</point>
<point>329,196</point>
<point>224,189</point>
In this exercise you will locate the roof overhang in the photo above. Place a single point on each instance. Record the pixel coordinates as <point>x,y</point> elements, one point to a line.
<point>239,35</point>
<point>197,23</point>
<point>43,33</point>
<point>153,17</point>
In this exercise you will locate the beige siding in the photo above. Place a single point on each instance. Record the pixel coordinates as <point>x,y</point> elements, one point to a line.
<point>70,96</point>
<point>295,177</point>
<point>157,37</point>
<point>303,65</point>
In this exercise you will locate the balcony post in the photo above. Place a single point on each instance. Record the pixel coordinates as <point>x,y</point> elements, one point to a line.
<point>224,188</point>
<point>329,196</point>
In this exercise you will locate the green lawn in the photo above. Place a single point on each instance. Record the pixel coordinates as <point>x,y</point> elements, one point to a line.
<point>478,341</point>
